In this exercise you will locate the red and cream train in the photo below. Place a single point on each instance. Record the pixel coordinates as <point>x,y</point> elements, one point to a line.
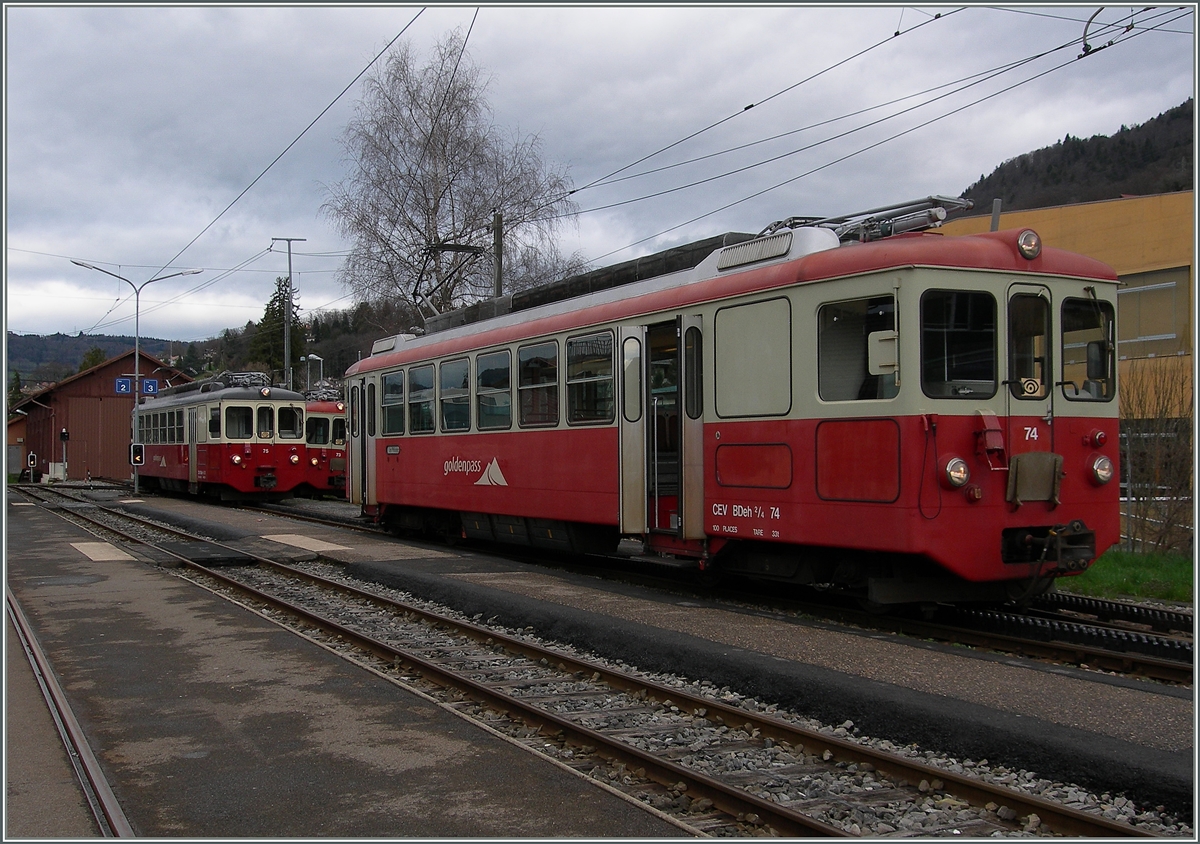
<point>856,402</point>
<point>233,436</point>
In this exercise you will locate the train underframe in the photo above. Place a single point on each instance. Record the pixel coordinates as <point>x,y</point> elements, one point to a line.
<point>1037,556</point>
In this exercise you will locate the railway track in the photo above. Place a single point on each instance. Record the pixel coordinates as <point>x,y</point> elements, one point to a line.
<point>724,768</point>
<point>1112,636</point>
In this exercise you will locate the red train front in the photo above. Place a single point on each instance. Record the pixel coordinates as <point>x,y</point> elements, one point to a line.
<point>234,436</point>
<point>906,417</point>
<point>325,436</point>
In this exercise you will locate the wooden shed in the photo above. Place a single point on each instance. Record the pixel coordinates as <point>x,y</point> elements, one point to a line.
<point>94,408</point>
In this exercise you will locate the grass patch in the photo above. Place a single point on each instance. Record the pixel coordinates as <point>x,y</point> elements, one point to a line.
<point>1121,574</point>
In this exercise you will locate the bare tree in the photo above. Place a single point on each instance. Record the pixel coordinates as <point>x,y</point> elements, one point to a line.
<point>427,171</point>
<point>1156,453</point>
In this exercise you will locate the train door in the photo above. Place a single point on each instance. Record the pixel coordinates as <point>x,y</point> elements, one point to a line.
<point>193,436</point>
<point>633,431</point>
<point>672,429</point>
<point>360,486</point>
<point>1029,382</point>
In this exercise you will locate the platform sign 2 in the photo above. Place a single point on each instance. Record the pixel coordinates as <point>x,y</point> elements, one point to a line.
<point>124,386</point>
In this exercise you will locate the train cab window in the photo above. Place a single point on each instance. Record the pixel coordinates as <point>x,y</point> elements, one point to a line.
<point>1088,348</point>
<point>493,391</point>
<point>316,430</point>
<point>266,421</point>
<point>1028,346</point>
<point>393,404</point>
<point>455,398</point>
<point>339,431</point>
<point>291,423</point>
<point>856,350</point>
<point>958,344</point>
<point>239,423</point>
<point>590,396</point>
<point>420,399</point>
<point>537,384</point>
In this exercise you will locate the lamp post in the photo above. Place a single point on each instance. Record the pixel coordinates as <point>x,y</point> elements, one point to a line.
<point>321,362</point>
<point>137,333</point>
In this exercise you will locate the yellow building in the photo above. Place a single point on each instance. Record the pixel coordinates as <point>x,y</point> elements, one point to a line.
<point>1148,240</point>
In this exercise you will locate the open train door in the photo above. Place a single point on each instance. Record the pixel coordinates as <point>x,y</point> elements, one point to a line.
<point>665,430</point>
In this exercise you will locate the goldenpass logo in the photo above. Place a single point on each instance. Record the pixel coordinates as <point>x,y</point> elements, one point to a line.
<point>456,465</point>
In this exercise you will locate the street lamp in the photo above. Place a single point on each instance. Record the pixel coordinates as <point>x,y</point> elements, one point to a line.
<point>137,383</point>
<point>321,372</point>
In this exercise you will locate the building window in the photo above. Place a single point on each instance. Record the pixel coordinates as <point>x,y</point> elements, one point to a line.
<point>1155,313</point>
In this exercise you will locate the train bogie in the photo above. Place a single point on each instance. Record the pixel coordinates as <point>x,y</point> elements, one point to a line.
<point>917,418</point>
<point>234,437</point>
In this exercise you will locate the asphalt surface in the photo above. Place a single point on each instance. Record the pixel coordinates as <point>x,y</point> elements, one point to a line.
<point>211,721</point>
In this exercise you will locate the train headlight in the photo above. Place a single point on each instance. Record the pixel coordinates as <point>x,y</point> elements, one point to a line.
<point>295,459</point>
<point>237,459</point>
<point>1029,244</point>
<point>1102,470</point>
<point>265,392</point>
<point>956,472</point>
<point>313,461</point>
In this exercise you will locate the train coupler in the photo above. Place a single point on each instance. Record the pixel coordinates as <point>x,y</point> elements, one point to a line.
<point>1067,547</point>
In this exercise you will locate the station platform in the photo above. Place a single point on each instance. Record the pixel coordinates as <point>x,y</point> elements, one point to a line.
<point>212,722</point>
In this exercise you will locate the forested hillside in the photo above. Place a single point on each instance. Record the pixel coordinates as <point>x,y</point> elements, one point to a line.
<point>1155,157</point>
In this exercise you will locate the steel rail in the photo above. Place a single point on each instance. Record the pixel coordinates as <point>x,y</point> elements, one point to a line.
<point>99,794</point>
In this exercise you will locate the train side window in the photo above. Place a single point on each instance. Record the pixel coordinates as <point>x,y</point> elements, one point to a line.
<point>1028,346</point>
<point>339,430</point>
<point>266,421</point>
<point>752,348</point>
<point>692,367</point>
<point>632,366</point>
<point>316,430</point>
<point>1088,347</point>
<point>537,384</point>
<point>455,394</point>
<point>239,423</point>
<point>958,344</point>
<point>845,331</point>
<point>214,422</point>
<point>590,396</point>
<point>354,410</point>
<point>371,410</point>
<point>493,391</point>
<point>393,403</point>
<point>420,399</point>
<point>179,435</point>
<point>291,423</point>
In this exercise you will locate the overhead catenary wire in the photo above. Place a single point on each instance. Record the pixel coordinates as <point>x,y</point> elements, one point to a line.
<point>1120,40</point>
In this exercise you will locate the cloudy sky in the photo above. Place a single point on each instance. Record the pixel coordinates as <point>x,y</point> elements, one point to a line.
<point>130,131</point>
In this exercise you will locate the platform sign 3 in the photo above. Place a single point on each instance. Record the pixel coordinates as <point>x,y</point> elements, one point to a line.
<point>149,386</point>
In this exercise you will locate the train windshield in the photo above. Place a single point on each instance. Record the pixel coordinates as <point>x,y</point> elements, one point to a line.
<point>317,430</point>
<point>291,423</point>
<point>958,344</point>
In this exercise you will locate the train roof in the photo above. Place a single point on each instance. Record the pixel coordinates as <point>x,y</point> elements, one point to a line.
<point>245,386</point>
<point>798,250</point>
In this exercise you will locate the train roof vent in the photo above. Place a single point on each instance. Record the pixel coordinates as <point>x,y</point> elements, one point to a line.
<point>753,251</point>
<point>389,343</point>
